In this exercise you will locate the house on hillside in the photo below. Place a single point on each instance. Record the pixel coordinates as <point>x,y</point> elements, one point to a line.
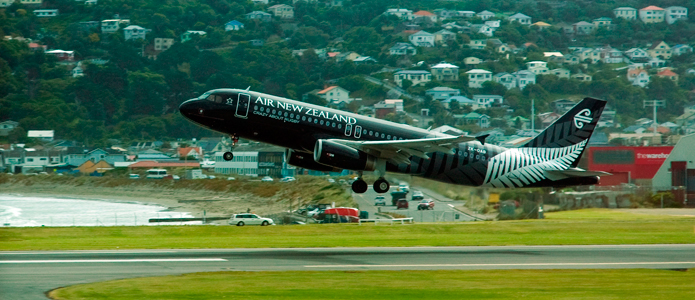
<point>583,28</point>
<point>485,15</point>
<point>7,126</point>
<point>403,49</point>
<point>675,13</point>
<point>611,55</point>
<point>163,44</point>
<point>134,32</point>
<point>282,11</point>
<point>414,76</point>
<point>651,14</point>
<point>482,120</point>
<point>521,18</point>
<point>90,167</point>
<point>335,94</point>
<point>472,61</point>
<point>422,39</point>
<point>188,35</point>
<point>666,73</point>
<point>45,13</point>
<point>441,93</point>
<point>62,55</point>
<point>487,101</point>
<point>444,36</point>
<point>637,54</point>
<point>681,49</point>
<point>460,100</point>
<point>524,78</point>
<point>541,25</point>
<point>506,79</point>
<point>424,16</point>
<point>401,13</point>
<point>660,50</point>
<point>483,29</point>
<point>188,152</point>
<point>111,26</point>
<point>259,15</point>
<point>561,72</point>
<point>445,72</point>
<point>627,13</point>
<point>476,77</point>
<point>537,67</point>
<point>233,25</point>
<point>581,77</point>
<point>602,22</point>
<point>477,44</point>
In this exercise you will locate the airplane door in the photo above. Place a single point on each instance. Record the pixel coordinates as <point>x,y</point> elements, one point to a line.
<point>348,130</point>
<point>358,131</point>
<point>242,106</point>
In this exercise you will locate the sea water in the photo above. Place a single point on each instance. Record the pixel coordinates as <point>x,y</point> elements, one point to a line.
<point>25,211</point>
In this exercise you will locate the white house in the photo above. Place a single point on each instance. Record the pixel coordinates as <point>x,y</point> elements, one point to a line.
<point>612,56</point>
<point>681,49</point>
<point>441,92</point>
<point>259,15</point>
<point>402,49</point>
<point>627,13</point>
<point>402,13</point>
<point>44,13</point>
<point>163,44</point>
<point>422,39</point>
<point>483,29</point>
<point>651,14</point>
<point>111,26</point>
<point>476,77</point>
<point>233,25</point>
<point>461,100</point>
<point>637,54</point>
<point>524,78</point>
<point>477,44</point>
<point>581,77</point>
<point>538,67</point>
<point>506,79</point>
<point>44,135</point>
<point>485,15</point>
<point>445,72</point>
<point>493,23</point>
<point>282,11</point>
<point>675,13</point>
<point>7,126</point>
<point>134,32</point>
<point>188,35</point>
<point>415,76</point>
<point>424,16</point>
<point>444,36</point>
<point>521,18</point>
<point>486,101</point>
<point>335,94</point>
<point>561,72</point>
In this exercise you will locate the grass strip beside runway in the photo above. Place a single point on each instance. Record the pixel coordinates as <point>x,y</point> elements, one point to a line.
<point>596,227</point>
<point>440,284</point>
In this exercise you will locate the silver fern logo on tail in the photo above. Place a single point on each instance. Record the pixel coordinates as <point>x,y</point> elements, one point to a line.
<point>582,117</point>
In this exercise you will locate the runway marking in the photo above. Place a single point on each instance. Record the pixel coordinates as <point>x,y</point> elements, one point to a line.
<point>506,265</point>
<point>109,260</point>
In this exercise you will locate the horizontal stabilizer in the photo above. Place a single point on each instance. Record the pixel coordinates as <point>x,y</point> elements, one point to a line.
<point>572,172</point>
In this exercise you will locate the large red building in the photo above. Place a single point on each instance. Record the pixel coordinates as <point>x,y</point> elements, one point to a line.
<point>627,164</point>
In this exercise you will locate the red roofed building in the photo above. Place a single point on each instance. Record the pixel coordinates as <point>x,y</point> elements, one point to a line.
<point>335,94</point>
<point>149,164</point>
<point>423,15</point>
<point>651,14</point>
<point>666,73</point>
<point>196,152</point>
<point>36,47</point>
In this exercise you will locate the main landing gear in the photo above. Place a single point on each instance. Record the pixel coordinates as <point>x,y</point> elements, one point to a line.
<point>380,185</point>
<point>229,155</point>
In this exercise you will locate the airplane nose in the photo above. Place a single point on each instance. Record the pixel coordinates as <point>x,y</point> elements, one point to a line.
<point>190,108</point>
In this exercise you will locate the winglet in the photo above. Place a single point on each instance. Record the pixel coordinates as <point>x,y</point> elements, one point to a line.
<point>481,138</point>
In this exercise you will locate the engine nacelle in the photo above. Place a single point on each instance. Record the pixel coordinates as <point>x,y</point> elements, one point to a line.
<point>306,161</point>
<point>344,157</point>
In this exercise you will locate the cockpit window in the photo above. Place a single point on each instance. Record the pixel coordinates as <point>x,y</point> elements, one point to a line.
<point>215,98</point>
<point>203,96</point>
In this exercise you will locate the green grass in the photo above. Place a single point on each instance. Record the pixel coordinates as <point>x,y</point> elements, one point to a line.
<point>587,227</point>
<point>441,284</point>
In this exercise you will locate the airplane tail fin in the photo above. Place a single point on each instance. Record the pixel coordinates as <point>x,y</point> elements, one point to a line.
<point>572,128</point>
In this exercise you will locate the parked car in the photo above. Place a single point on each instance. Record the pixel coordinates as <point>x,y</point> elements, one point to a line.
<point>402,203</point>
<point>425,204</point>
<point>417,195</point>
<point>380,200</point>
<point>250,219</point>
<point>287,179</point>
<point>134,176</point>
<point>267,179</point>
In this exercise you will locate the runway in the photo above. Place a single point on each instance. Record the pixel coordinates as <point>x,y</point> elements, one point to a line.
<point>29,274</point>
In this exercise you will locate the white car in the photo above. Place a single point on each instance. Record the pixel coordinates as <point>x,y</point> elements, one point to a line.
<point>250,219</point>
<point>380,200</point>
<point>267,179</point>
<point>403,187</point>
<point>287,179</point>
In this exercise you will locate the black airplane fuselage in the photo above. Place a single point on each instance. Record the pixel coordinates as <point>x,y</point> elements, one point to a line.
<point>298,126</point>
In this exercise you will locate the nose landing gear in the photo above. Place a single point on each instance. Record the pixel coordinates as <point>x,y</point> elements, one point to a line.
<point>229,155</point>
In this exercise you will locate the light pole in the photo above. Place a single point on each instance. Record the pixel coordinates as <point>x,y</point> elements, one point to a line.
<point>654,104</point>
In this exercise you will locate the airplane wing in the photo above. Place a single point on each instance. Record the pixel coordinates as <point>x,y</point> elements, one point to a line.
<point>399,151</point>
<point>572,172</point>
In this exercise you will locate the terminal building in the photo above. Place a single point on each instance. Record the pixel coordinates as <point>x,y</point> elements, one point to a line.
<point>628,164</point>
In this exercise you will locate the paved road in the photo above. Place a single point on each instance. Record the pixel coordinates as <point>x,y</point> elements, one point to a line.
<point>28,275</point>
<point>442,211</point>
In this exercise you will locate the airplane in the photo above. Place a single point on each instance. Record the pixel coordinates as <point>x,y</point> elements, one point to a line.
<point>325,139</point>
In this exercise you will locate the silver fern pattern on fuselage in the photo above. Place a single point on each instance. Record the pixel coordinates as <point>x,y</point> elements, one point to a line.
<point>519,167</point>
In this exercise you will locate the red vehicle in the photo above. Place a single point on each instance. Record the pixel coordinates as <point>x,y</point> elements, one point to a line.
<point>402,203</point>
<point>426,204</point>
<point>339,215</point>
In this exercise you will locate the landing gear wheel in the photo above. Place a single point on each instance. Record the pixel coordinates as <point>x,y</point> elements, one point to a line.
<point>359,186</point>
<point>381,186</point>
<point>228,156</point>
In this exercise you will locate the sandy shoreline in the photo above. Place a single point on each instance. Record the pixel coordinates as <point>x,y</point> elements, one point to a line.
<point>194,202</point>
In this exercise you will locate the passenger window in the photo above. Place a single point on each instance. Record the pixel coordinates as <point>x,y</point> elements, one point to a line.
<point>358,131</point>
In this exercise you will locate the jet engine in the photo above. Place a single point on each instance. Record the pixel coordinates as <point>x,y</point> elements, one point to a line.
<point>306,161</point>
<point>345,157</point>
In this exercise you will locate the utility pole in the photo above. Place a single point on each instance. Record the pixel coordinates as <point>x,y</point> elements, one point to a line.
<point>654,104</point>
